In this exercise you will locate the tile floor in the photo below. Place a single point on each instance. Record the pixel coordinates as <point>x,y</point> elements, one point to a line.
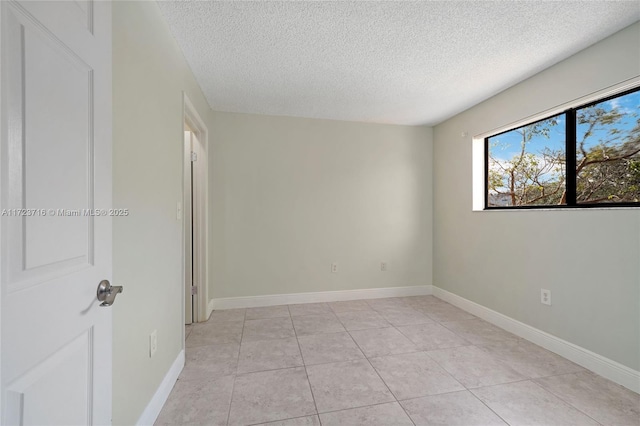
<point>387,362</point>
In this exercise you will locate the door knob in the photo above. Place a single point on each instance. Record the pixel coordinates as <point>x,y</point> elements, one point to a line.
<point>107,293</point>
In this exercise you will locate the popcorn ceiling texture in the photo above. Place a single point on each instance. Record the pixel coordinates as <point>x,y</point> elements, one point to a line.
<point>386,62</point>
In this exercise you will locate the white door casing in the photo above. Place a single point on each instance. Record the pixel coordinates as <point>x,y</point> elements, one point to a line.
<point>188,229</point>
<point>199,225</point>
<point>55,232</point>
<point>196,136</point>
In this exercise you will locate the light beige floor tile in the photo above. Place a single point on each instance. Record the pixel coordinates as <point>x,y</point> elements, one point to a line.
<point>210,362</point>
<point>299,421</point>
<point>404,316</point>
<point>273,388</point>
<point>206,334</point>
<point>361,320</point>
<point>473,367</point>
<point>271,395</point>
<point>414,375</point>
<point>329,347</point>
<point>349,305</point>
<point>273,354</point>
<point>530,360</point>
<point>526,403</point>
<point>422,300</point>
<point>382,341</point>
<point>267,329</point>
<point>603,400</point>
<point>451,409</point>
<point>386,303</point>
<point>350,384</point>
<point>479,332</point>
<point>310,309</point>
<point>432,336</point>
<point>317,324</point>
<point>198,402</point>
<point>444,312</point>
<point>390,414</point>
<point>267,312</point>
<point>227,315</point>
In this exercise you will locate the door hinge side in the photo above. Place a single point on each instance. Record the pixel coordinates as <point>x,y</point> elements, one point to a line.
<point>194,156</point>
<point>194,290</point>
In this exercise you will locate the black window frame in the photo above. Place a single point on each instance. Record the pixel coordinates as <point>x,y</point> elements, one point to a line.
<point>570,152</point>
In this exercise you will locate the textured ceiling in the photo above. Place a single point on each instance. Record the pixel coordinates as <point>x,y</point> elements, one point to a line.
<point>387,62</point>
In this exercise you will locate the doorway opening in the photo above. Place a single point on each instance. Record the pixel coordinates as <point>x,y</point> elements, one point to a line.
<point>194,217</point>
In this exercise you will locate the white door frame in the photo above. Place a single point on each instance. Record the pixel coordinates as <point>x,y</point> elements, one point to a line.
<point>200,211</point>
<point>1,230</point>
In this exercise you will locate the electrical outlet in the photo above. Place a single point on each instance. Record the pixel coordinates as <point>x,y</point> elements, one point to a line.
<point>153,343</point>
<point>545,297</point>
<point>334,268</point>
<point>383,266</point>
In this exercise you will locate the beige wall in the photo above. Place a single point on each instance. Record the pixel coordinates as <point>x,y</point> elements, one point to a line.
<point>149,77</point>
<point>589,259</point>
<point>289,196</point>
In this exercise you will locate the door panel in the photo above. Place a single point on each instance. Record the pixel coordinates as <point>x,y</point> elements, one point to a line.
<point>62,398</point>
<point>56,101</point>
<point>55,153</point>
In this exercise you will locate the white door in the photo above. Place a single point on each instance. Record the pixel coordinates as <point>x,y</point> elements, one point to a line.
<point>55,164</point>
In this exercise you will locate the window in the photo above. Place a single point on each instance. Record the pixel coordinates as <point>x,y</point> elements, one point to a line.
<point>584,157</point>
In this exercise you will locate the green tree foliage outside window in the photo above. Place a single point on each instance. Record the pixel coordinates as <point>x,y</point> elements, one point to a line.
<point>608,151</point>
<point>527,166</point>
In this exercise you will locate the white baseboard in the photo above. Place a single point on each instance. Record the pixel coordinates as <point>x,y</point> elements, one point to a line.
<point>152,411</point>
<point>322,296</point>
<point>605,367</point>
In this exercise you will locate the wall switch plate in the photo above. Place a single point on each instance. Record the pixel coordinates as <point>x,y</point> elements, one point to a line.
<point>334,268</point>
<point>545,297</point>
<point>383,266</point>
<point>153,343</point>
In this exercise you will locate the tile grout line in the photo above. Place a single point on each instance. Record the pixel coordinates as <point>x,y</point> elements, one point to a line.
<point>281,420</point>
<point>524,379</point>
<point>365,406</point>
<point>469,390</point>
<point>425,352</point>
<point>487,405</point>
<point>466,389</point>
<point>233,387</point>
<point>381,379</point>
<point>435,394</point>
<point>530,379</point>
<point>394,395</point>
<point>561,398</point>
<point>304,365</point>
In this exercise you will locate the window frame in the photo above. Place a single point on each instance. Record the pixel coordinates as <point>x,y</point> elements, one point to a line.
<point>570,152</point>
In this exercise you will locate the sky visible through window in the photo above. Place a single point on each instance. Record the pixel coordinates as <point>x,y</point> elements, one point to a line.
<point>608,151</point>
<point>507,145</point>
<point>527,165</point>
<point>628,106</point>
